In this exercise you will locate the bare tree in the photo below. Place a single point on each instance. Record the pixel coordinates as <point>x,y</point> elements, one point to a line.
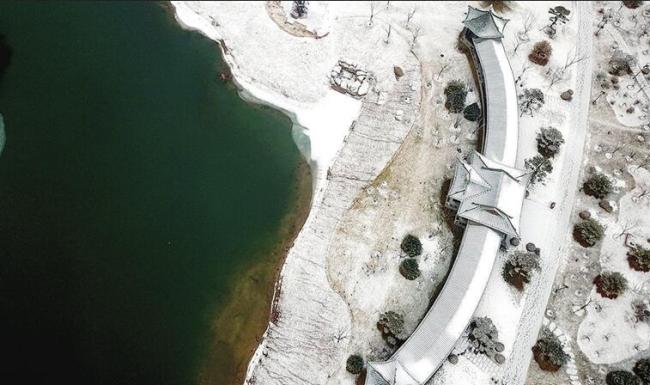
<point>341,335</point>
<point>388,31</point>
<point>558,74</point>
<point>409,16</point>
<point>415,33</point>
<point>524,68</point>
<point>522,36</point>
<point>445,64</point>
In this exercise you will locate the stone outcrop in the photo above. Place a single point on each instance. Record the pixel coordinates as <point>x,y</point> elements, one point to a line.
<point>348,79</point>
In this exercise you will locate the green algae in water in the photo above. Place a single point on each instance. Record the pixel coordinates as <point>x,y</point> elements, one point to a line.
<point>134,186</point>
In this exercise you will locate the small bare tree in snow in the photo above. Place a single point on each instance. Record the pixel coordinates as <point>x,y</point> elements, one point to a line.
<point>372,13</point>
<point>415,34</point>
<point>522,36</point>
<point>388,31</point>
<point>409,16</point>
<point>558,74</point>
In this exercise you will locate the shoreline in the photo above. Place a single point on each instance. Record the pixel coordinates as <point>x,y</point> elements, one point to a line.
<point>236,332</point>
<point>319,142</point>
<point>266,271</point>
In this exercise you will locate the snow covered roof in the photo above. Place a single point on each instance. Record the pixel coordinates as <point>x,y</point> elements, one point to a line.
<point>422,354</point>
<point>501,111</point>
<point>484,24</point>
<point>489,193</point>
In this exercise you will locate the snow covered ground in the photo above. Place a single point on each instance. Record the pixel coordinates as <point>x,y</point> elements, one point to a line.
<point>603,333</point>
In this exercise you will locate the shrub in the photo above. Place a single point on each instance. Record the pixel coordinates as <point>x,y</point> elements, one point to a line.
<point>411,245</point>
<point>632,4</point>
<point>456,93</point>
<point>391,323</point>
<point>541,53</point>
<point>639,258</point>
<point>530,101</point>
<point>409,268</point>
<point>549,141</point>
<point>354,364</point>
<point>539,168</point>
<point>519,268</point>
<point>621,63</point>
<point>548,352</point>
<point>483,338</point>
<point>610,284</point>
<point>642,369</point>
<point>641,311</point>
<point>622,377</point>
<point>588,232</point>
<point>598,186</point>
<point>472,112</point>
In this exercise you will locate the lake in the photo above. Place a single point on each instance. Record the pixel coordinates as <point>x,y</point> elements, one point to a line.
<point>144,207</point>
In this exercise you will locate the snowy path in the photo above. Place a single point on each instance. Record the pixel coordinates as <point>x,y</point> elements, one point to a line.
<point>555,241</point>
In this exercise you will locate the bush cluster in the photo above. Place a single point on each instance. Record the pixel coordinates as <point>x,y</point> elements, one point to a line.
<point>549,141</point>
<point>519,268</point>
<point>354,364</point>
<point>541,53</point>
<point>483,338</point>
<point>456,93</point>
<point>409,268</point>
<point>391,325</point>
<point>610,284</point>
<point>639,258</point>
<point>548,352</point>
<point>622,377</point>
<point>642,369</point>
<point>598,186</point>
<point>588,232</point>
<point>411,245</point>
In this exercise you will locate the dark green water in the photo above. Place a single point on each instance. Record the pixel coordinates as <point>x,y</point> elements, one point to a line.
<point>133,185</point>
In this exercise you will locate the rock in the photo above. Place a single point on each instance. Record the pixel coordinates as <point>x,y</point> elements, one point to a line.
<point>630,110</point>
<point>584,214</point>
<point>363,89</point>
<point>567,95</point>
<point>606,205</point>
<point>552,205</point>
<point>640,138</point>
<point>398,71</point>
<point>530,246</point>
<point>453,359</point>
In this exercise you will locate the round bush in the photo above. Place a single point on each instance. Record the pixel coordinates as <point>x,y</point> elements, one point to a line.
<point>549,141</point>
<point>642,369</point>
<point>391,323</point>
<point>548,352</point>
<point>409,268</point>
<point>598,186</point>
<point>472,112</point>
<point>622,377</point>
<point>588,232</point>
<point>354,364</point>
<point>519,268</point>
<point>639,258</point>
<point>610,284</point>
<point>411,245</point>
<point>541,53</point>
